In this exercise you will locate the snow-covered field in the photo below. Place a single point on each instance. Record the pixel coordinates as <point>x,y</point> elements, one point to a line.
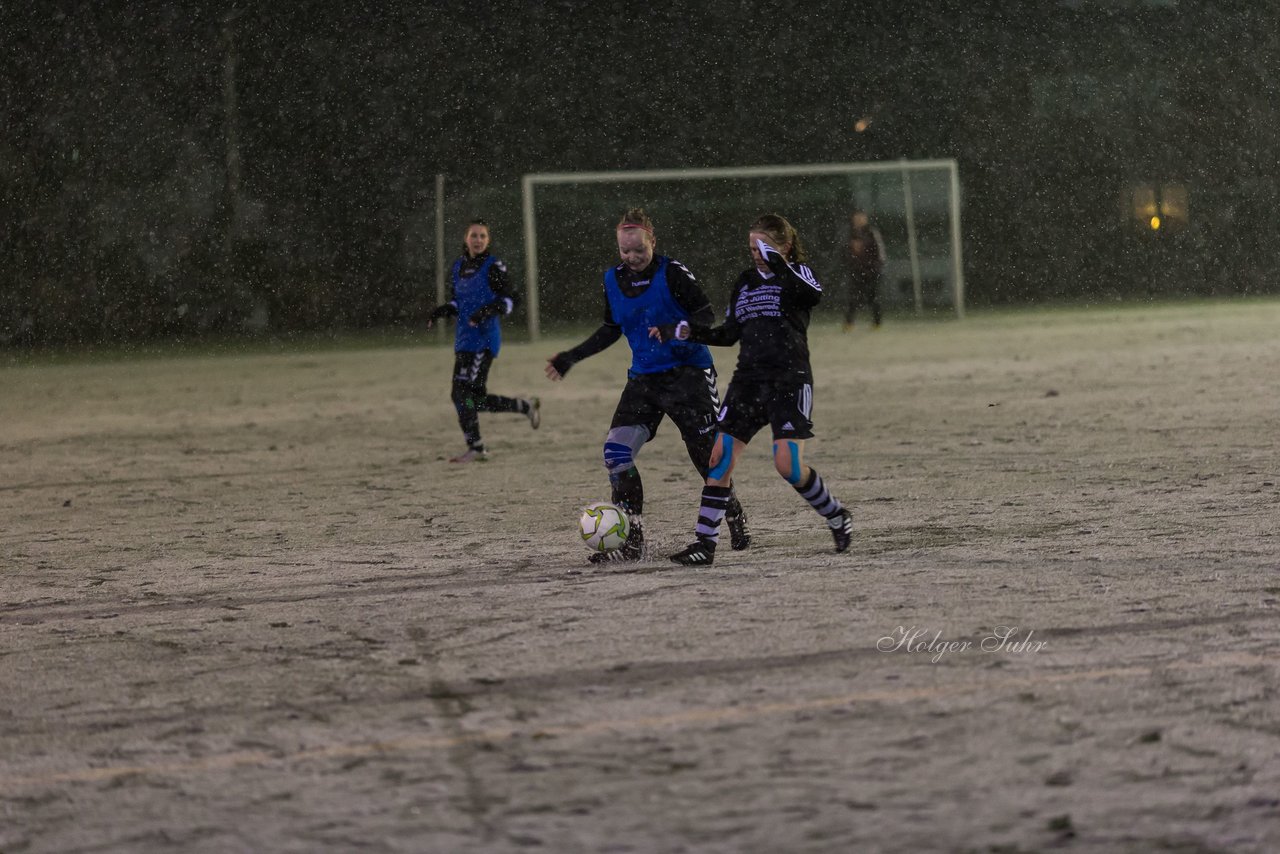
<point>246,604</point>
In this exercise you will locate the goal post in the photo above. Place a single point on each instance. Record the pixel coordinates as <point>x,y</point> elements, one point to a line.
<point>937,195</point>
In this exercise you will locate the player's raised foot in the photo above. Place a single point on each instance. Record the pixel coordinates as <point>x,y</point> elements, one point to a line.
<point>475,454</point>
<point>842,530</point>
<point>701,553</point>
<point>739,533</point>
<point>535,412</point>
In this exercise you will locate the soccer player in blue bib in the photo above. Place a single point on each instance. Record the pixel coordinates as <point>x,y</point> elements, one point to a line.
<point>673,379</point>
<point>481,294</point>
<point>772,385</point>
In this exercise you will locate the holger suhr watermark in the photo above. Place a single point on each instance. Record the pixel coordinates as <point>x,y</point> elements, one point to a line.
<point>1006,639</point>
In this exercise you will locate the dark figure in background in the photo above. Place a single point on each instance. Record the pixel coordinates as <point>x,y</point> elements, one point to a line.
<point>481,293</point>
<point>865,256</point>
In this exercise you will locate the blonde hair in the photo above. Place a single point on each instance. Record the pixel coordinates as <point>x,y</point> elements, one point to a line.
<point>781,232</point>
<point>637,218</point>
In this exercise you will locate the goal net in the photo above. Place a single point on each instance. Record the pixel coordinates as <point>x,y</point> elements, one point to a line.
<point>701,217</point>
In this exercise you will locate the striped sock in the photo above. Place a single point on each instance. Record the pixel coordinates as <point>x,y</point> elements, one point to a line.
<point>715,500</point>
<point>815,492</point>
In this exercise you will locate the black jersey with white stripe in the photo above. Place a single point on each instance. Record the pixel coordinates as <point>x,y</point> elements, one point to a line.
<point>768,314</point>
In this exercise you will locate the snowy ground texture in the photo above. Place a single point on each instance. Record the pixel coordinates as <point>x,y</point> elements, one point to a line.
<point>247,605</point>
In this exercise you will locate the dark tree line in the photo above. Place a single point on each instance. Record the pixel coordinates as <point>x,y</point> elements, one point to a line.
<point>197,169</point>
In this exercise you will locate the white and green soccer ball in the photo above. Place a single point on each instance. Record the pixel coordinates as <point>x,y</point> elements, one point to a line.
<point>605,526</point>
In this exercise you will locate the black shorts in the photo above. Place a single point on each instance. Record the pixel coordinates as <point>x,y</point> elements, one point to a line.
<point>687,396</point>
<point>750,404</point>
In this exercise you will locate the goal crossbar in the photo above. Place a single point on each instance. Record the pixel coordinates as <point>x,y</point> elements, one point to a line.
<point>529,181</point>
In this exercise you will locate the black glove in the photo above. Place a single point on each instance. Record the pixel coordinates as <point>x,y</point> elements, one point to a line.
<point>562,362</point>
<point>446,310</point>
<point>484,312</point>
<point>772,257</point>
<point>674,332</point>
<point>666,332</point>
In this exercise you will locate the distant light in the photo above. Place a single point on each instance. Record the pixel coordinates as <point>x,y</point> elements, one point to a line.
<point>861,125</point>
<point>1155,223</point>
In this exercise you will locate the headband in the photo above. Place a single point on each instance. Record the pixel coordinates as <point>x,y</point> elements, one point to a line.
<point>644,228</point>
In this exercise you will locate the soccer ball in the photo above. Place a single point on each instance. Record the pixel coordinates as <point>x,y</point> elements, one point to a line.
<point>604,526</point>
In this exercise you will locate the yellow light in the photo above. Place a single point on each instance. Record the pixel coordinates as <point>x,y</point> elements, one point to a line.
<point>1155,223</point>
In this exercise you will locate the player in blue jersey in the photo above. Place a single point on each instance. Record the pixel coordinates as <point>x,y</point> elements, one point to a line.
<point>772,384</point>
<point>480,295</point>
<point>674,379</point>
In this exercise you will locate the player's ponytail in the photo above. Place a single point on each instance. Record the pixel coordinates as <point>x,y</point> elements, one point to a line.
<point>781,232</point>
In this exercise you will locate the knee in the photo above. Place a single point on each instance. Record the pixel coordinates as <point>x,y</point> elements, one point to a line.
<point>620,447</point>
<point>783,467</point>
<point>717,454</point>
<point>786,459</point>
<point>618,457</point>
<point>721,462</point>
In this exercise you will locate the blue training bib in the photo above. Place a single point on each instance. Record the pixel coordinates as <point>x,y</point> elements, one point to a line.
<point>654,306</point>
<point>472,293</point>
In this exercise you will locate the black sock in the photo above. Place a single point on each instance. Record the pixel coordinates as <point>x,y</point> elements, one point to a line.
<point>628,490</point>
<point>499,403</point>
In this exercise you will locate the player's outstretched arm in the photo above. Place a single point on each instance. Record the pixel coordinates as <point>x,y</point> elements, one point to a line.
<point>699,330</point>
<point>604,337</point>
<point>497,308</point>
<point>447,310</point>
<point>725,335</point>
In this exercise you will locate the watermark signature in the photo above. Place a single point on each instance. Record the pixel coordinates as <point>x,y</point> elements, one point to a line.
<point>1006,639</point>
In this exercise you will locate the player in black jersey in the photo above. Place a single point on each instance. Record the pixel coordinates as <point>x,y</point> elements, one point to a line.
<point>481,295</point>
<point>773,383</point>
<point>674,379</point>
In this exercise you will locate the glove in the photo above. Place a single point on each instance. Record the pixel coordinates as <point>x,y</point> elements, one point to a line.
<point>446,310</point>
<point>484,312</point>
<point>562,362</point>
<point>771,256</point>
<point>672,331</point>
